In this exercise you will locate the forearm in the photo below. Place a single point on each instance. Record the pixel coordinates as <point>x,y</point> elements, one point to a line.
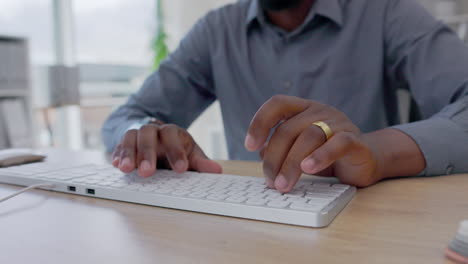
<point>397,153</point>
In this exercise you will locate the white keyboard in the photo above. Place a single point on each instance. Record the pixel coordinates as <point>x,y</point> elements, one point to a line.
<point>312,204</point>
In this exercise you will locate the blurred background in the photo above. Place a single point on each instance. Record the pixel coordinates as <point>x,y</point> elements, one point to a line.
<point>80,59</point>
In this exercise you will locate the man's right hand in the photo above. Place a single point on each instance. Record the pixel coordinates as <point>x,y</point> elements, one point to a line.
<point>167,146</point>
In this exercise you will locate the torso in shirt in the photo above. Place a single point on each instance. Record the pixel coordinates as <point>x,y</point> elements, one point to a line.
<point>336,57</point>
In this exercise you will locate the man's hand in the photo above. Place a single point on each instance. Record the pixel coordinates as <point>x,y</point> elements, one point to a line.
<point>298,146</point>
<point>163,145</point>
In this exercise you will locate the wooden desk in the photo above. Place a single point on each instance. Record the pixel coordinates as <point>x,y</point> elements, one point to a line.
<point>398,221</point>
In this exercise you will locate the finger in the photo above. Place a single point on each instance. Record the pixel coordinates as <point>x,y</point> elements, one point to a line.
<point>290,172</point>
<point>275,110</point>
<point>284,137</point>
<point>127,153</point>
<point>334,149</point>
<point>116,156</point>
<point>147,144</point>
<point>176,146</point>
<point>201,163</point>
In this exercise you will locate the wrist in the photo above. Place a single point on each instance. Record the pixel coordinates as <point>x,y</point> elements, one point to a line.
<point>378,154</point>
<point>396,154</point>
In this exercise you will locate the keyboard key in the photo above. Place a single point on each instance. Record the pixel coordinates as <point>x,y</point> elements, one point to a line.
<point>259,196</point>
<point>278,198</point>
<point>251,194</point>
<point>163,191</point>
<point>216,197</point>
<point>180,192</point>
<point>320,200</point>
<point>306,207</point>
<point>321,184</point>
<point>297,199</point>
<point>118,185</point>
<point>319,195</point>
<point>105,183</point>
<point>256,201</point>
<point>340,187</point>
<point>236,193</point>
<point>255,189</point>
<point>236,199</point>
<point>198,195</point>
<point>273,196</point>
<point>295,194</point>
<point>148,189</point>
<point>278,204</point>
<point>201,189</point>
<point>272,192</point>
<point>132,187</point>
<point>217,191</point>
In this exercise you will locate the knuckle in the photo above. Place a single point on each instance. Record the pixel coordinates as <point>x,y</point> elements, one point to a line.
<point>285,130</point>
<point>131,132</point>
<point>168,128</point>
<point>147,128</point>
<point>145,148</point>
<point>311,132</point>
<point>129,137</point>
<point>127,152</point>
<point>348,139</point>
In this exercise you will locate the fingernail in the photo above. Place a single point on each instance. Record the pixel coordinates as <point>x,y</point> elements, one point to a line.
<point>309,164</point>
<point>145,165</point>
<point>179,165</point>
<point>250,143</point>
<point>281,182</point>
<point>116,161</point>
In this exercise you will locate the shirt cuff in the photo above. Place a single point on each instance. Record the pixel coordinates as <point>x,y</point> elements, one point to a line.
<point>441,142</point>
<point>113,138</point>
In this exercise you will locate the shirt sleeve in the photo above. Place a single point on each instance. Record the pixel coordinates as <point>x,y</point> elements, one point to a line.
<point>428,58</point>
<point>178,92</point>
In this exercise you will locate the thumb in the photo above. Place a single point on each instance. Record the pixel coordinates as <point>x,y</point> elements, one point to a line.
<point>200,162</point>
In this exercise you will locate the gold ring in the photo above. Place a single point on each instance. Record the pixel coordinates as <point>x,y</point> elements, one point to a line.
<point>325,128</point>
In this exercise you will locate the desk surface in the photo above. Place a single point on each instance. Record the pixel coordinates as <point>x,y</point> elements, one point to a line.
<point>398,221</point>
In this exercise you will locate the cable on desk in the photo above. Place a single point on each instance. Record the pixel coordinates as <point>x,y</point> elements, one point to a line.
<point>42,185</point>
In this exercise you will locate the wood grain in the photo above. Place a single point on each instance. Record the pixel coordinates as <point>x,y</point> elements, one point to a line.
<point>399,221</point>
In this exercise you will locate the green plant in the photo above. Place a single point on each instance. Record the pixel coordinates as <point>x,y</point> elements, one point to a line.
<point>159,43</point>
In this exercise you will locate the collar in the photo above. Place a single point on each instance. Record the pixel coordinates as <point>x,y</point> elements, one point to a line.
<point>331,9</point>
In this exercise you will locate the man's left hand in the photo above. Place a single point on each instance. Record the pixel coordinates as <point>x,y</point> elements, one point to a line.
<point>297,145</point>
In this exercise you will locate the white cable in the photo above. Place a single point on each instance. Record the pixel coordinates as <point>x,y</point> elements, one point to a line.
<point>42,185</point>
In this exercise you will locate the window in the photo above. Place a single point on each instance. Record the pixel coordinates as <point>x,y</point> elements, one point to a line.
<point>113,46</point>
<point>31,19</point>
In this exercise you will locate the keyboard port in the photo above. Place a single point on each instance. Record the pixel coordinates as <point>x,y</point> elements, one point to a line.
<point>90,191</point>
<point>71,188</point>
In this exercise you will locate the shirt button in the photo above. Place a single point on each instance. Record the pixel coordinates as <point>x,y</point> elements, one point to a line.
<point>287,85</point>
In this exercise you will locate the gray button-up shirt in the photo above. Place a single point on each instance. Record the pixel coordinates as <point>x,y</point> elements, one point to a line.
<point>352,55</point>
